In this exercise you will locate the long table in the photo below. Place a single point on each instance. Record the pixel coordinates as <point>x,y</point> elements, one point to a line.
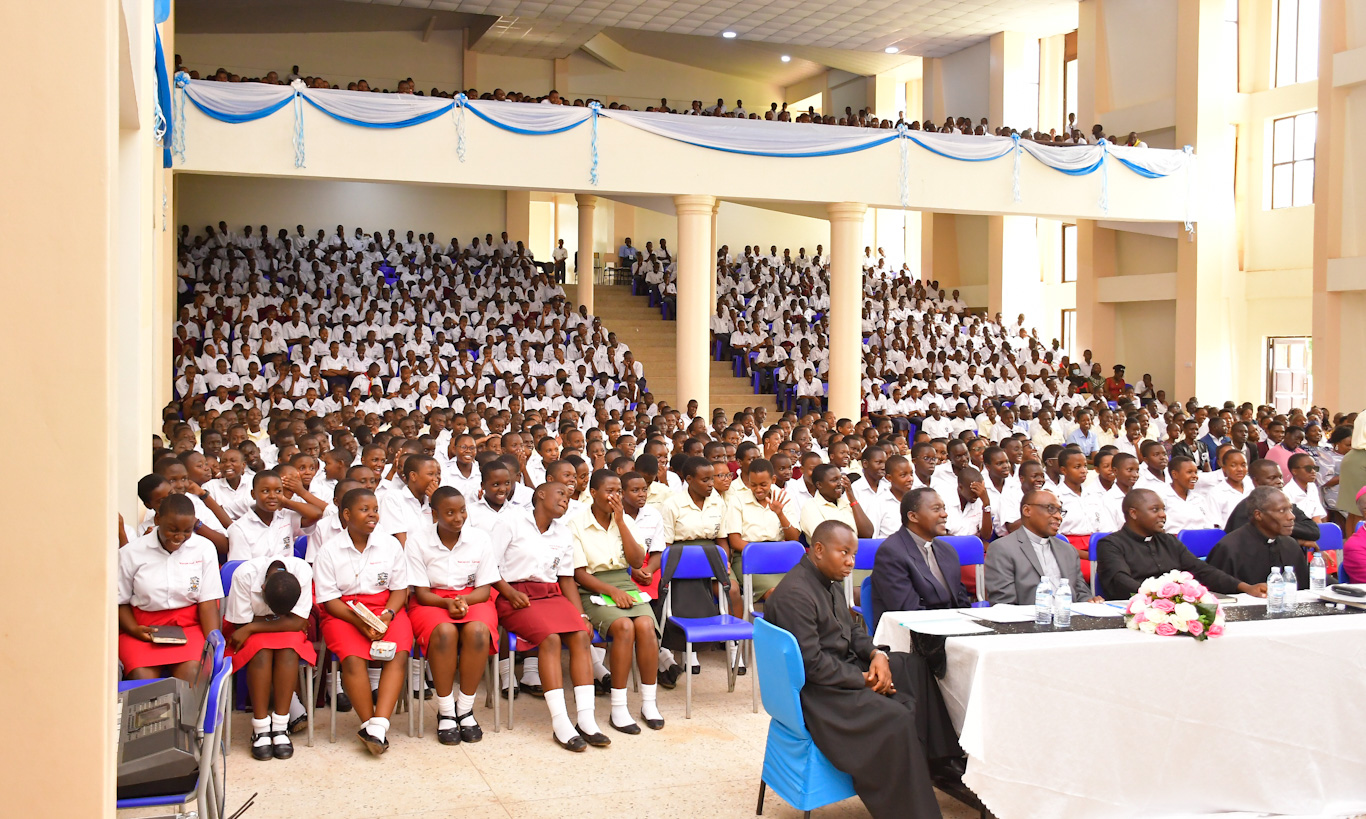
<point>1108,722</point>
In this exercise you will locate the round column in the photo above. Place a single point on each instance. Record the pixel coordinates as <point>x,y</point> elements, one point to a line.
<point>694,305</point>
<point>846,296</point>
<point>584,269</point>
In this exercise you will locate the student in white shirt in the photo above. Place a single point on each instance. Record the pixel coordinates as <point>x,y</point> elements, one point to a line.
<point>267,529</point>
<point>452,568</point>
<point>1186,508</point>
<point>1302,489</point>
<point>365,568</point>
<point>402,510</point>
<point>265,617</point>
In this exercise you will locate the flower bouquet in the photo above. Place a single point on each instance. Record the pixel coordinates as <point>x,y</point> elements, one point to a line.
<point>1175,603</point>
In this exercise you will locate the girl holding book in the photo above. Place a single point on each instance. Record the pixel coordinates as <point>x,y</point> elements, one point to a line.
<point>361,571</point>
<point>606,549</point>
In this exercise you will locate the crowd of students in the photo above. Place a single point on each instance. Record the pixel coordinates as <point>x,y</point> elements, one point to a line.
<point>776,112</point>
<point>442,502</point>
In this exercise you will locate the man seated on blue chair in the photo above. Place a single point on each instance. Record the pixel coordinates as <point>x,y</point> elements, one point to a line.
<point>904,576</point>
<point>878,717</point>
<point>1016,562</point>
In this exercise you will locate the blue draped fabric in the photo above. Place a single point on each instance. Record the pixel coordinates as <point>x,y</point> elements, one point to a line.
<point>163,105</point>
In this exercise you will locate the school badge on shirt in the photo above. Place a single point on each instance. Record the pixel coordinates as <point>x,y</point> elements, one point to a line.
<point>382,578</point>
<point>194,585</point>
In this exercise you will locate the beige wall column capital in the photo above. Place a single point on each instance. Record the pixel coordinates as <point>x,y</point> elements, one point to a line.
<point>846,287</point>
<point>694,270</point>
<point>583,268</point>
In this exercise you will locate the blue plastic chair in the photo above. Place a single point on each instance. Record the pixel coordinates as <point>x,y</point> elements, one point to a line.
<point>721,628</point>
<point>1330,540</point>
<point>971,552</point>
<point>1095,562</point>
<point>863,562</point>
<point>300,550</point>
<point>774,557</point>
<point>1200,541</point>
<point>866,604</point>
<point>207,794</point>
<point>793,766</point>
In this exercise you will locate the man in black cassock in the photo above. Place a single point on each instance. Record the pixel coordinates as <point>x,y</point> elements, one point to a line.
<point>1265,472</point>
<point>1249,552</point>
<point>877,716</point>
<point>1142,550</point>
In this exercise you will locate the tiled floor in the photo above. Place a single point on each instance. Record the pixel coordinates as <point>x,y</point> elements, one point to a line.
<point>707,766</point>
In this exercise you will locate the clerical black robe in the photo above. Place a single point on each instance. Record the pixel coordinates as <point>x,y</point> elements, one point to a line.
<point>1127,559</point>
<point>1305,527</point>
<point>1248,555</point>
<point>883,742</point>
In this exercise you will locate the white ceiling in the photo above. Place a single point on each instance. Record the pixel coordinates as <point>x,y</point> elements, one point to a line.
<point>930,28</point>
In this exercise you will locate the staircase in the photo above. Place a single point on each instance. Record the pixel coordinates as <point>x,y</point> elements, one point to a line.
<point>654,343</point>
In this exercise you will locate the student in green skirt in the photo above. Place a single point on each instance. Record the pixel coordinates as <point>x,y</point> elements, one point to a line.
<point>606,549</point>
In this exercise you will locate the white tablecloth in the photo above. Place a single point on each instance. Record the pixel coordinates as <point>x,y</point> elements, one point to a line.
<point>1269,718</point>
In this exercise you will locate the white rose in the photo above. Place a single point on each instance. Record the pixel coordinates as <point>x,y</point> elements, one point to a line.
<point>1156,616</point>
<point>1147,627</point>
<point>1186,611</point>
<point>1132,623</point>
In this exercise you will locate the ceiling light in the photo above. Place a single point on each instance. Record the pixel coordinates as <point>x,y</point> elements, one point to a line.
<point>891,50</point>
<point>786,59</point>
<point>729,35</point>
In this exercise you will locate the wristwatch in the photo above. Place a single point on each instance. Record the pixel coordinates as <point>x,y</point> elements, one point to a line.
<point>390,612</point>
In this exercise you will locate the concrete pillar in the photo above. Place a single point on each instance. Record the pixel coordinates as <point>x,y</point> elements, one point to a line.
<point>517,221</point>
<point>623,226</point>
<point>1333,385</point>
<point>1095,319</point>
<point>694,305</point>
<point>65,185</point>
<point>846,279</point>
<point>711,263</point>
<point>584,269</point>
<point>1205,266</point>
<point>469,65</point>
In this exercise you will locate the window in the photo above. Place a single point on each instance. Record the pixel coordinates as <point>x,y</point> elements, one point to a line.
<point>1289,383</point>
<point>1069,80</point>
<point>1069,331</point>
<point>1297,41</point>
<point>1069,253</point>
<point>1292,160</point>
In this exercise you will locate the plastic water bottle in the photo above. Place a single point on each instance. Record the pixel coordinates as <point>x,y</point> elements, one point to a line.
<point>1291,586</point>
<point>1275,592</point>
<point>1043,603</point>
<point>1062,605</point>
<point>1318,573</point>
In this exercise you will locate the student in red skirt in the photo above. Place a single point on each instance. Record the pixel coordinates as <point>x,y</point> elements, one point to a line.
<point>265,617</point>
<point>538,600</point>
<point>452,568</point>
<point>167,577</point>
<point>369,568</point>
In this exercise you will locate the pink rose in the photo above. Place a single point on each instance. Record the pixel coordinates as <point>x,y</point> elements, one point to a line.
<point>1216,631</point>
<point>1166,630</point>
<point>1170,590</point>
<point>1192,591</point>
<point>1164,606</point>
<point>1196,628</point>
<point>1140,617</point>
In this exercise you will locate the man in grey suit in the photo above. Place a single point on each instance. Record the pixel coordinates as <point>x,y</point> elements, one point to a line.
<point>1016,562</point>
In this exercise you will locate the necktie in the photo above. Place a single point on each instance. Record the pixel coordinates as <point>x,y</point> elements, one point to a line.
<point>934,565</point>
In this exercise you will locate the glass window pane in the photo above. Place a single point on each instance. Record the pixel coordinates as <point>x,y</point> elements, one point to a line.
<point>1305,127</point>
<point>1304,183</point>
<point>1283,140</point>
<point>1281,178</point>
<point>1307,58</point>
<point>1286,13</point>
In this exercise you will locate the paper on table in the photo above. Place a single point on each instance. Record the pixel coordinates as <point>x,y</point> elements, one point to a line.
<point>1003,613</point>
<point>945,628</point>
<point>1096,610</point>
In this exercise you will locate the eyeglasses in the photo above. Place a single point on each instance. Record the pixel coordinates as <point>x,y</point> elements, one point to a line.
<point>1051,509</point>
<point>1308,467</point>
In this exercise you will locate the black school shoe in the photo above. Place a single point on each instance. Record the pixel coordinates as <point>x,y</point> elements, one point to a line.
<point>264,751</point>
<point>603,686</point>
<point>448,736</point>
<point>652,724</point>
<point>469,733</point>
<point>668,678</point>
<point>576,743</point>
<point>632,729</point>
<point>373,745</point>
<point>598,740</point>
<point>281,750</point>
<point>298,724</point>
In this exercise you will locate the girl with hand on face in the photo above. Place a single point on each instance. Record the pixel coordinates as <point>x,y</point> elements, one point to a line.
<point>368,568</point>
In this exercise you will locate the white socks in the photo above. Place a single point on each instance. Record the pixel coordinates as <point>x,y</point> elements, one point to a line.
<point>505,672</point>
<point>647,702</point>
<point>445,706</point>
<point>691,661</point>
<point>260,729</point>
<point>621,712</point>
<point>279,725</point>
<point>377,727</point>
<point>374,678</point>
<point>417,678</point>
<point>666,659</point>
<point>559,718</point>
<point>531,671</point>
<point>735,656</point>
<point>598,654</point>
<point>464,705</point>
<point>296,708</point>
<point>583,703</point>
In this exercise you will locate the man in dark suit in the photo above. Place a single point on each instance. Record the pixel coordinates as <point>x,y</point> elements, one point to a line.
<point>915,570</point>
<point>1016,562</point>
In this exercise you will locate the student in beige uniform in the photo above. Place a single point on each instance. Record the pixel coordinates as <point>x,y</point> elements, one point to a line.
<point>606,549</point>
<point>832,502</point>
<point>756,516</point>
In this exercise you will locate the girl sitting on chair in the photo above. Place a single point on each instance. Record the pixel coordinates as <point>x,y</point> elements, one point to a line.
<point>363,567</point>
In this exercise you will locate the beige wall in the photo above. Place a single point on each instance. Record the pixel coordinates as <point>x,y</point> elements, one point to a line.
<point>642,80</point>
<point>965,82</point>
<point>1145,342</point>
<point>382,58</point>
<point>314,203</point>
<point>1138,254</point>
<point>525,74</point>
